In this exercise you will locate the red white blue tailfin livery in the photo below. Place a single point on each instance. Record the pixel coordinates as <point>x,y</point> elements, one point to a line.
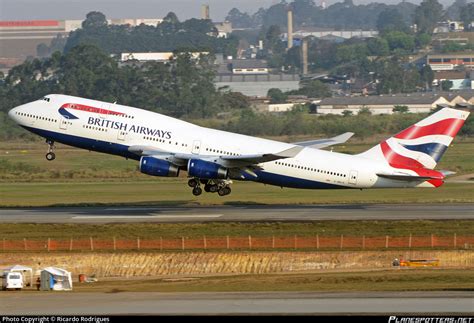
<point>212,158</point>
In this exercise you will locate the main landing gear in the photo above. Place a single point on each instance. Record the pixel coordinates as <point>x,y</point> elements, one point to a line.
<point>221,187</point>
<point>50,155</point>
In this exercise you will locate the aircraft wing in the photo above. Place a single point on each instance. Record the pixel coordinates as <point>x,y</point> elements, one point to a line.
<point>226,161</point>
<point>321,143</point>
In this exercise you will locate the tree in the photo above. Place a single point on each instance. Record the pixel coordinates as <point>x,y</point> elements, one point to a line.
<point>171,18</point>
<point>315,89</point>
<point>94,20</point>
<point>467,16</point>
<point>453,12</point>
<point>422,40</point>
<point>446,85</point>
<point>427,15</point>
<point>273,41</point>
<point>451,46</point>
<point>42,50</point>
<point>277,96</point>
<point>426,76</point>
<point>347,113</point>
<point>400,40</point>
<point>235,100</point>
<point>400,109</point>
<point>364,111</point>
<point>391,20</point>
<point>239,19</point>
<point>378,47</point>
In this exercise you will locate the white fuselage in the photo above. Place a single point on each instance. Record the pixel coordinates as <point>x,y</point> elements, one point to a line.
<point>113,128</point>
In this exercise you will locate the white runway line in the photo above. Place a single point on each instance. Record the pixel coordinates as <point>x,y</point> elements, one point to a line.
<point>156,216</point>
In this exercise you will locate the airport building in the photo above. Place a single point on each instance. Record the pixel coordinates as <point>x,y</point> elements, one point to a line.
<point>384,104</point>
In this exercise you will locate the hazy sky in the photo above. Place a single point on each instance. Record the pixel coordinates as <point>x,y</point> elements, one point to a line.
<point>185,9</point>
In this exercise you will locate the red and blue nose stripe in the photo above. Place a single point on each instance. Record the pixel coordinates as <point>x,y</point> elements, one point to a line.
<point>81,107</point>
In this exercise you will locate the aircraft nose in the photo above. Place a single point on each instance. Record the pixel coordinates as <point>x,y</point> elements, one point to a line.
<point>12,113</point>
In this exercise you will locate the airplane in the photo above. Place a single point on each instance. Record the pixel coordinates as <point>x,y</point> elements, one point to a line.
<point>166,146</point>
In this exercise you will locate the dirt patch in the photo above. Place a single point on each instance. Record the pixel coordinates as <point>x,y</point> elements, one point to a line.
<point>104,265</point>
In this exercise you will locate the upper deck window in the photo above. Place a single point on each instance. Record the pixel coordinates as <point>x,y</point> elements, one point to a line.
<point>45,99</point>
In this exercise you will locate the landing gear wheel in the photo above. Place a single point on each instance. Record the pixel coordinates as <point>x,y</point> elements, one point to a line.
<point>197,191</point>
<point>213,188</point>
<point>193,182</point>
<point>224,191</point>
<point>207,188</point>
<point>50,156</point>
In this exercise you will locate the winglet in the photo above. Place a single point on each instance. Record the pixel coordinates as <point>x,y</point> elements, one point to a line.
<point>342,138</point>
<point>321,143</point>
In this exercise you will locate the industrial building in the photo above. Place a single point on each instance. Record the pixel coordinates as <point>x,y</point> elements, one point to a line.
<point>19,39</point>
<point>257,85</point>
<point>384,104</point>
<point>461,79</point>
<point>154,56</point>
<point>449,61</point>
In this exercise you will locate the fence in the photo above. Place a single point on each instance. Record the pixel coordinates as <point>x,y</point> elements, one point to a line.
<point>243,243</point>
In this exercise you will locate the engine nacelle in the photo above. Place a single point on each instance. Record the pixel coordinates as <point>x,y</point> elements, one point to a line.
<point>206,170</point>
<point>158,167</point>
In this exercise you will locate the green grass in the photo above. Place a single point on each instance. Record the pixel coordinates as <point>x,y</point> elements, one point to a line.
<point>388,280</point>
<point>176,192</point>
<point>10,231</point>
<point>80,177</point>
<point>25,162</point>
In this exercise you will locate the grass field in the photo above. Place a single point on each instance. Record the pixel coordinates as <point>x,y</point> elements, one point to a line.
<point>176,192</point>
<point>219,229</point>
<point>79,177</point>
<point>387,280</point>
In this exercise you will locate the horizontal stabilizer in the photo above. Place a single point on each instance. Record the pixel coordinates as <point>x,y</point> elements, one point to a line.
<point>321,143</point>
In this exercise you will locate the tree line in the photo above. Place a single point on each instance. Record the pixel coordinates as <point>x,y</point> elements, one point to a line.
<point>347,15</point>
<point>197,35</point>
<point>181,87</point>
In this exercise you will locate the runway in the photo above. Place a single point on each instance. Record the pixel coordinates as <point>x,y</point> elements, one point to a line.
<point>386,303</point>
<point>241,213</point>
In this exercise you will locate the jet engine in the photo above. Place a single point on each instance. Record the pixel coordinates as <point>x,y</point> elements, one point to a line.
<point>158,167</point>
<point>206,170</point>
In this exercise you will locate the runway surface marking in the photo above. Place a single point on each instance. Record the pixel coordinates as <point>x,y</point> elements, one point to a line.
<point>161,216</point>
<point>388,303</point>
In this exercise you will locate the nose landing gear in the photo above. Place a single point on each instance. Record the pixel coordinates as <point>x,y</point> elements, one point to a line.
<point>50,155</point>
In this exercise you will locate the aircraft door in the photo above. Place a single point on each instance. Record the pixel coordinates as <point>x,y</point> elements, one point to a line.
<point>196,147</point>
<point>353,177</point>
<point>63,124</point>
<point>121,135</point>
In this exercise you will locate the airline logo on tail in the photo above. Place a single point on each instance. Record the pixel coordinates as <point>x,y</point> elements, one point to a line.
<point>423,144</point>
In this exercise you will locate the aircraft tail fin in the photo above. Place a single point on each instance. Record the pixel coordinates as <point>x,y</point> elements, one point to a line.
<point>423,144</point>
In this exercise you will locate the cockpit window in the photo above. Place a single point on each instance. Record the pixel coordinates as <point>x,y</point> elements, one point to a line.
<point>45,99</point>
